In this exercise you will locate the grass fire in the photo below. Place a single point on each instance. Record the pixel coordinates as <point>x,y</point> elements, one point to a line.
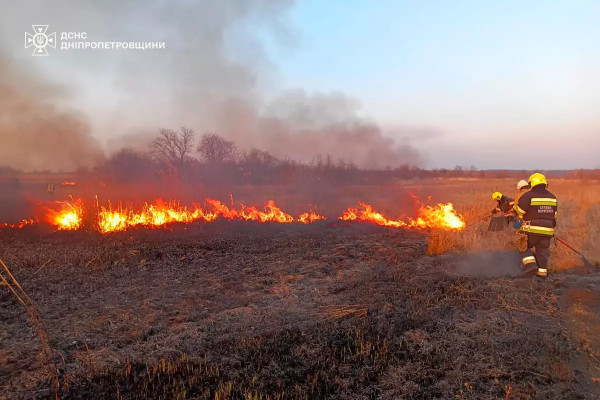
<point>69,215</point>
<point>294,200</point>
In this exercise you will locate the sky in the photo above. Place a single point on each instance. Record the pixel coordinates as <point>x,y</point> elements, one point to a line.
<point>506,84</point>
<point>495,85</point>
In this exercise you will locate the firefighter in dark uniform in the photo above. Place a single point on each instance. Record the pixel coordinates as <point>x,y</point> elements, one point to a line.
<point>504,207</point>
<point>504,204</point>
<point>537,209</point>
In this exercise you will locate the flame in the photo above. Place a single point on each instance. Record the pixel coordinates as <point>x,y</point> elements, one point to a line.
<point>442,216</point>
<point>369,215</point>
<point>162,213</point>
<point>151,215</point>
<point>111,221</point>
<point>20,224</point>
<point>69,215</point>
<point>68,218</point>
<point>68,183</point>
<point>272,213</point>
<point>220,209</point>
<point>310,217</point>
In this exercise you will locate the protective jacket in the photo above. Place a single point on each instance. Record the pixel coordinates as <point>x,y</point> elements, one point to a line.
<point>518,196</point>
<point>538,209</point>
<point>504,204</point>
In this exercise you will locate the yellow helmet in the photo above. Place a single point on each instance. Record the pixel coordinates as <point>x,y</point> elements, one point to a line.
<point>497,196</point>
<point>537,179</point>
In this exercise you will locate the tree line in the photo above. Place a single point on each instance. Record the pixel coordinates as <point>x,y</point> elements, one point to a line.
<point>178,155</point>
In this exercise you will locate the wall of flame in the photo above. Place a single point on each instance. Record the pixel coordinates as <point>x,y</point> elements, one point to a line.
<point>70,215</point>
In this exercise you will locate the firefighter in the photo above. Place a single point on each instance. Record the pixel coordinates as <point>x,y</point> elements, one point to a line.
<point>503,203</point>
<point>537,209</point>
<point>504,206</point>
<point>523,187</point>
<point>50,190</point>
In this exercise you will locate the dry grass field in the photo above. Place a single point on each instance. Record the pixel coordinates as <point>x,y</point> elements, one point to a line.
<point>331,310</point>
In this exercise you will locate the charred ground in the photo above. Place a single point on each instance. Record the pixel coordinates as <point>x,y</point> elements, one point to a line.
<point>243,310</point>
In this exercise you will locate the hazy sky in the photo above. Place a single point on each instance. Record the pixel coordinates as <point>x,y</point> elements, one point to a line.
<point>502,84</point>
<point>508,84</point>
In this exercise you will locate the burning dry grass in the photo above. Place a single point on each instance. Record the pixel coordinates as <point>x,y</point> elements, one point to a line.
<point>72,215</point>
<point>464,201</point>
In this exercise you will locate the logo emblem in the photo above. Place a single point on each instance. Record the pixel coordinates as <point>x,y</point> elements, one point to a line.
<point>39,40</point>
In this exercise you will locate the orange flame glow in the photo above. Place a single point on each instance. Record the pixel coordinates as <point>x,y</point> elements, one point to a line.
<point>369,215</point>
<point>68,218</point>
<point>272,214</point>
<point>151,215</point>
<point>442,216</point>
<point>161,213</point>
<point>68,183</point>
<point>20,224</point>
<point>310,217</point>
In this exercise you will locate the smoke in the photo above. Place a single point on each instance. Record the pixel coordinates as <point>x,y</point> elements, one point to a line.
<point>331,124</point>
<point>34,133</point>
<point>213,76</point>
<point>485,265</point>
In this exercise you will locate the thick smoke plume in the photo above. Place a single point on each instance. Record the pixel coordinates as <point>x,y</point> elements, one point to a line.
<point>34,133</point>
<point>213,76</point>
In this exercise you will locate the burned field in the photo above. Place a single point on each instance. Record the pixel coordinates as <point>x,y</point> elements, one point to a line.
<point>245,310</point>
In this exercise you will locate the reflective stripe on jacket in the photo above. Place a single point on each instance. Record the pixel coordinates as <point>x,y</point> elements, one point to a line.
<point>538,208</point>
<point>530,227</point>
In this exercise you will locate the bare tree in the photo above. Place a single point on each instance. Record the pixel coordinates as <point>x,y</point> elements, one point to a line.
<point>216,150</point>
<point>173,147</point>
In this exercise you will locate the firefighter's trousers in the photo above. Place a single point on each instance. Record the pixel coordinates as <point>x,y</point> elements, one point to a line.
<point>537,254</point>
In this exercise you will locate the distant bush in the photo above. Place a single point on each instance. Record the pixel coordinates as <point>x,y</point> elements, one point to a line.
<point>129,166</point>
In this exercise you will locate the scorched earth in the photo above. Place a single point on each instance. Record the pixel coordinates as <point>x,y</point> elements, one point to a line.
<point>244,310</point>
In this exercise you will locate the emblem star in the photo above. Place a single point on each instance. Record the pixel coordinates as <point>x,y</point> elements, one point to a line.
<point>40,40</point>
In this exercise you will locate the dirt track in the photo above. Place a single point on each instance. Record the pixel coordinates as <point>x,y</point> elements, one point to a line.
<point>320,311</point>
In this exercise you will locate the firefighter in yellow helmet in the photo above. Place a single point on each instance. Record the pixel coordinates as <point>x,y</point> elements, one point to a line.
<point>537,209</point>
<point>504,206</point>
<point>504,203</point>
